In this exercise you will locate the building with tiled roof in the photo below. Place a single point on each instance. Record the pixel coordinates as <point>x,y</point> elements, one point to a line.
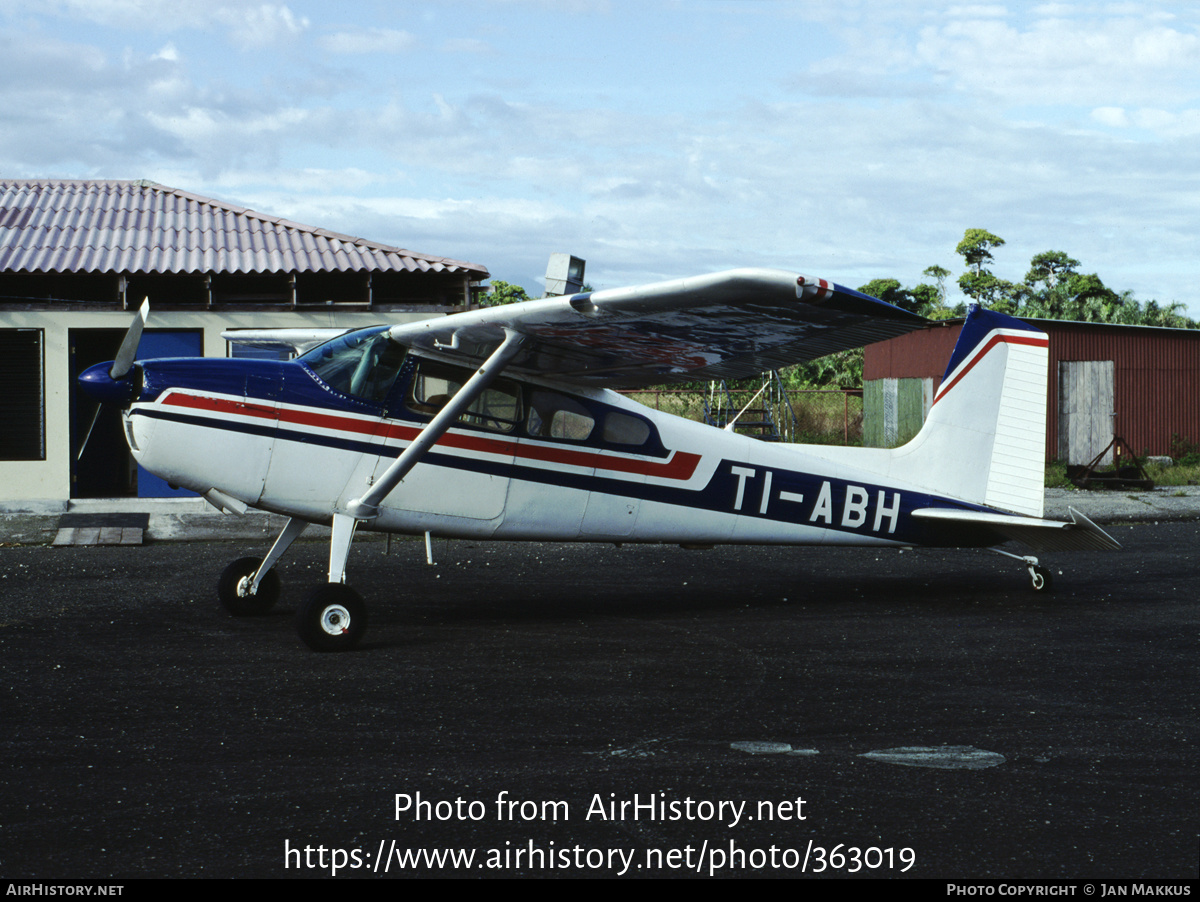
<point>77,257</point>
<point>102,241</point>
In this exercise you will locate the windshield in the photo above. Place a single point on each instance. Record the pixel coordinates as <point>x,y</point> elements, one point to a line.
<point>363,363</point>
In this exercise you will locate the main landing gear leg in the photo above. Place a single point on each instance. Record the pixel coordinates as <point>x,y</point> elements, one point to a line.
<point>249,587</point>
<point>334,617</point>
<point>1039,577</point>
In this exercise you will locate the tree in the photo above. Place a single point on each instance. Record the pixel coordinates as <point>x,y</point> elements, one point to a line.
<point>932,296</point>
<point>939,274</point>
<point>978,283</point>
<point>1050,267</point>
<point>502,292</point>
<point>990,291</point>
<point>976,247</point>
<point>1153,314</point>
<point>1055,289</point>
<point>843,369</point>
<point>891,292</point>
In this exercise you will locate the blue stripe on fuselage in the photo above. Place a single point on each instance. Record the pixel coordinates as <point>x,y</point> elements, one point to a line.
<point>768,493</point>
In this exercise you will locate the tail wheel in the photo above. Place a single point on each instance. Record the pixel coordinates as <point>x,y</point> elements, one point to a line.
<point>233,588</point>
<point>1040,579</point>
<point>332,618</point>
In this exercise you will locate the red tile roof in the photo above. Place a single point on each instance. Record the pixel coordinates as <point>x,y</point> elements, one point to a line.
<point>129,226</point>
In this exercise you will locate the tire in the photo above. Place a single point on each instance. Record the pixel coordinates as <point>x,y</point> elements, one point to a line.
<point>332,618</point>
<point>234,581</point>
<point>1041,580</point>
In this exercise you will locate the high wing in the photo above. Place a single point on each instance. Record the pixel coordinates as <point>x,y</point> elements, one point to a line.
<point>727,325</point>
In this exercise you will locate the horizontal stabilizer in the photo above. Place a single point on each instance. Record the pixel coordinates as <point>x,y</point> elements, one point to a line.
<point>1042,535</point>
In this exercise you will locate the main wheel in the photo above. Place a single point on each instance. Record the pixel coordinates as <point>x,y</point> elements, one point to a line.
<point>332,618</point>
<point>233,588</point>
<point>1041,580</point>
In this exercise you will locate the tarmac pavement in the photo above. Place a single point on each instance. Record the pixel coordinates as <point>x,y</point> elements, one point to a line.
<point>580,710</point>
<point>193,519</point>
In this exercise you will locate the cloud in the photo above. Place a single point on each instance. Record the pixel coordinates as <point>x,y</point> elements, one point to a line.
<point>891,132</point>
<point>467,45</point>
<point>250,24</point>
<point>1161,123</point>
<point>359,42</point>
<point>200,127</point>
<point>151,15</point>
<point>253,27</point>
<point>72,108</point>
<point>1091,62</point>
<point>1111,116</point>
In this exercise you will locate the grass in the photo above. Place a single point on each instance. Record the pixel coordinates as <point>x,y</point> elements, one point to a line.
<point>1056,475</point>
<point>1185,472</point>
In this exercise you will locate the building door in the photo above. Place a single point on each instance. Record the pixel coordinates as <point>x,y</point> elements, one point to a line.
<point>104,468</point>
<point>1085,410</point>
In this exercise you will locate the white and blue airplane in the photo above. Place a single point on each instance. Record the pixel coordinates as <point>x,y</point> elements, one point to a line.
<point>503,423</point>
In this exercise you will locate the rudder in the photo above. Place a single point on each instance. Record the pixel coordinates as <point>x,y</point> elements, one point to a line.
<point>985,436</point>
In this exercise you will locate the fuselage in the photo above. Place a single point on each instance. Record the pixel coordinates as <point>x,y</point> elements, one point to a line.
<point>529,460</point>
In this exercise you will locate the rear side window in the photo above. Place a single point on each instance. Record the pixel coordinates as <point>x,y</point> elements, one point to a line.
<point>622,429</point>
<point>554,415</point>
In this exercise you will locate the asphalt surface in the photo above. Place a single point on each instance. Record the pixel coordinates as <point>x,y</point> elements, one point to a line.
<point>148,734</point>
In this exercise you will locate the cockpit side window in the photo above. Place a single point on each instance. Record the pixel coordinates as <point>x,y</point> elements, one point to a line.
<point>362,364</point>
<point>433,385</point>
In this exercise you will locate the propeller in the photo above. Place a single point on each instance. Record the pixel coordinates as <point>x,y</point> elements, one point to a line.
<point>129,345</point>
<point>109,384</point>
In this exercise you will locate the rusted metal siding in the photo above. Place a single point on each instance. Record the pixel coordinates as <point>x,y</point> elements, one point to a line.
<point>917,355</point>
<point>1157,375</point>
<point>1156,379</point>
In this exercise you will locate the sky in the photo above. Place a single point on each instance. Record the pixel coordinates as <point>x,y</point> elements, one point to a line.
<point>849,140</point>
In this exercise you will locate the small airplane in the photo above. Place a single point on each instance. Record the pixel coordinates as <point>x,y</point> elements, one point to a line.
<point>504,423</point>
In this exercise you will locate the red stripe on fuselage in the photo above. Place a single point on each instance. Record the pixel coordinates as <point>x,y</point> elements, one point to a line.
<point>681,465</point>
<point>1033,340</point>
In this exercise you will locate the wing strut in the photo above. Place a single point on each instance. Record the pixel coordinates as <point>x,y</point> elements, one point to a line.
<point>367,507</point>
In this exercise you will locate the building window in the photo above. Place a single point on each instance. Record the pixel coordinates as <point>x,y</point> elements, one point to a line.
<point>23,401</point>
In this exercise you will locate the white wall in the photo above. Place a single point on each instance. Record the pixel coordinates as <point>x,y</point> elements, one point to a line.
<point>38,484</point>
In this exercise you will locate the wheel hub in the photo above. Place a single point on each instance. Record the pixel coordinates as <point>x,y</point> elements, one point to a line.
<point>335,620</point>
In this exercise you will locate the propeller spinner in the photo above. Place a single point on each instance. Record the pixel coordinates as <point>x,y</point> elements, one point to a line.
<point>109,383</point>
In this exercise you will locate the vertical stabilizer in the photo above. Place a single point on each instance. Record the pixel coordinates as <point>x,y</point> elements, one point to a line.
<point>985,437</point>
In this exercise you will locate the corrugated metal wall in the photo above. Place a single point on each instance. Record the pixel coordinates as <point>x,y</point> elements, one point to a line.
<point>1156,380</point>
<point>917,355</point>
<point>1157,375</point>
